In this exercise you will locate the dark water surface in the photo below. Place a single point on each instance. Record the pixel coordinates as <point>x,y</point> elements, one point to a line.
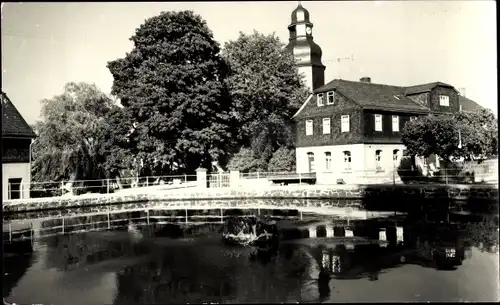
<point>99,259</point>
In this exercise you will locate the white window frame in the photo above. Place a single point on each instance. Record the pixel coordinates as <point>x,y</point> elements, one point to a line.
<point>444,100</point>
<point>395,123</point>
<point>319,98</point>
<point>345,123</point>
<point>378,159</point>
<point>313,163</point>
<point>330,96</point>
<point>328,160</point>
<point>326,123</point>
<point>378,127</point>
<point>395,155</point>
<point>347,159</point>
<point>309,127</point>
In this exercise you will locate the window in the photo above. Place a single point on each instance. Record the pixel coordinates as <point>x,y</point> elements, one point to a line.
<point>378,159</point>
<point>378,122</point>
<point>310,161</point>
<point>344,123</point>
<point>330,98</point>
<point>444,100</point>
<point>395,155</point>
<point>328,159</point>
<point>320,99</point>
<point>309,127</point>
<point>395,123</point>
<point>326,125</point>
<point>15,188</point>
<point>347,159</point>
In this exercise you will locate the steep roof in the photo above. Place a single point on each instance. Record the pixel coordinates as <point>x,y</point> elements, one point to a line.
<point>425,88</point>
<point>468,105</point>
<point>373,96</point>
<point>13,123</point>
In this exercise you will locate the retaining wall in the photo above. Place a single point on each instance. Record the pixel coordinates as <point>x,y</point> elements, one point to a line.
<point>371,192</point>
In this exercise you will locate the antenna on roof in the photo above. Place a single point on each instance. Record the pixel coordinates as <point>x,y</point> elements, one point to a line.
<point>341,59</point>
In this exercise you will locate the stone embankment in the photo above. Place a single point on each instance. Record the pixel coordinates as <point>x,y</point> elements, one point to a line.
<point>335,192</point>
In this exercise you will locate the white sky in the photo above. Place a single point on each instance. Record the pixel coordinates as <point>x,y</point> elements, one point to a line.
<point>45,45</point>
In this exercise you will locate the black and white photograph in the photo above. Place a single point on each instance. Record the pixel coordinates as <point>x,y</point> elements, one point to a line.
<point>239,152</point>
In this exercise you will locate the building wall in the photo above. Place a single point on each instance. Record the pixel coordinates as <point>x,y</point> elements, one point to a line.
<point>357,157</point>
<point>308,76</point>
<point>386,161</point>
<point>387,135</point>
<point>453,100</point>
<point>341,106</point>
<point>16,170</point>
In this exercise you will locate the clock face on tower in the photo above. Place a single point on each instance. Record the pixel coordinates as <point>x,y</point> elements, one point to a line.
<point>308,30</point>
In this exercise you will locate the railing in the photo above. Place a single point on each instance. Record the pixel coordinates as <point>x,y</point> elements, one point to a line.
<point>219,180</point>
<point>276,175</point>
<point>103,186</point>
<point>446,176</point>
<point>120,219</point>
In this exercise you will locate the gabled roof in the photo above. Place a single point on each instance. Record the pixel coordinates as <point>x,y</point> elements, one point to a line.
<point>425,88</point>
<point>468,105</point>
<point>13,123</point>
<point>373,96</point>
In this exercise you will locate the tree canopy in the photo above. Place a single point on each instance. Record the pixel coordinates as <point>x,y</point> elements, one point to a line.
<point>68,141</point>
<point>466,134</point>
<point>266,90</point>
<point>172,88</point>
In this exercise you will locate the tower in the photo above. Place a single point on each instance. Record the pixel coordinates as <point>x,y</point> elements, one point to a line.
<point>307,53</point>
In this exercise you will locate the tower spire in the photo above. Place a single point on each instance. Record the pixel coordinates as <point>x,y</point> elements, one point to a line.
<point>306,52</point>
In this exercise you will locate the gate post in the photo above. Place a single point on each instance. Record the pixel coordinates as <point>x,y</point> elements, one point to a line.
<point>201,178</point>
<point>234,178</point>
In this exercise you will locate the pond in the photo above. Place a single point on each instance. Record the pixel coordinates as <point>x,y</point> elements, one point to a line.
<point>139,257</point>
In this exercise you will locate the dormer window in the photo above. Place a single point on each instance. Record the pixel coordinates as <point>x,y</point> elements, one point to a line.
<point>330,98</point>
<point>319,97</point>
<point>444,100</point>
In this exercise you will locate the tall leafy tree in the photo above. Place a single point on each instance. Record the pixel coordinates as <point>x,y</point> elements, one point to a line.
<point>172,87</point>
<point>468,135</point>
<point>266,90</point>
<point>68,143</point>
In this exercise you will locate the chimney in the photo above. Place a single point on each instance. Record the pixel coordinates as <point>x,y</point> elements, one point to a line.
<point>365,79</point>
<point>462,91</point>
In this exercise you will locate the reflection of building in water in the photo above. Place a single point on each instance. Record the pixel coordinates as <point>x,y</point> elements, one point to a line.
<point>387,234</point>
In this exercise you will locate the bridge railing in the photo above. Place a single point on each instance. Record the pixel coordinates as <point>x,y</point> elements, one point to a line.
<point>40,189</point>
<point>276,175</point>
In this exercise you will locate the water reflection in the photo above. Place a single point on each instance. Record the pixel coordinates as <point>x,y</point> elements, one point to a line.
<point>318,259</point>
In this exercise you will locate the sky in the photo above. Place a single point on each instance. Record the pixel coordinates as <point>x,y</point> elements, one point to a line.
<point>45,45</point>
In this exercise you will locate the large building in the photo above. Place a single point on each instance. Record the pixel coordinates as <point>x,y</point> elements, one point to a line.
<point>17,137</point>
<point>352,129</point>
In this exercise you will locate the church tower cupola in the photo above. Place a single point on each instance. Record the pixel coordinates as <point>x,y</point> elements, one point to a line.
<point>306,52</point>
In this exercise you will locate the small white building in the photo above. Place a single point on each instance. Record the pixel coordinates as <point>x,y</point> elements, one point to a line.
<point>17,137</point>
